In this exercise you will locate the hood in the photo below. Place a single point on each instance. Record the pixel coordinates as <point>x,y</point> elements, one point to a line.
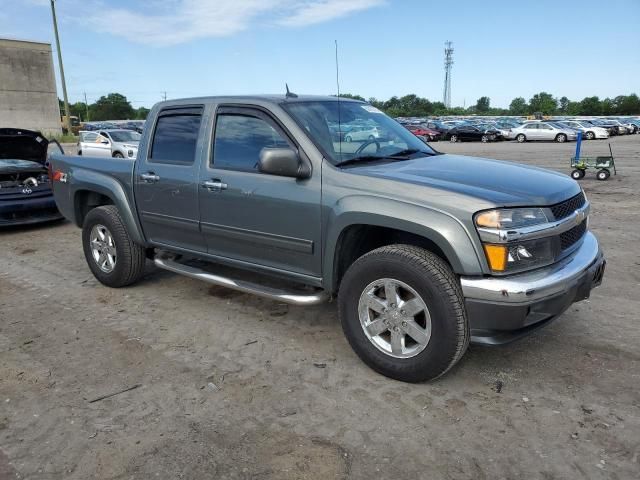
<point>498,182</point>
<point>18,144</point>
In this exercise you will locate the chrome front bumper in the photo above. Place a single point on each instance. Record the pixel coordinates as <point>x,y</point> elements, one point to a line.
<point>501,309</point>
<point>539,284</point>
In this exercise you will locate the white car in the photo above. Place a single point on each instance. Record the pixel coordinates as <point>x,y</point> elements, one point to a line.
<point>109,143</point>
<point>361,133</point>
<point>590,132</point>
<point>535,131</point>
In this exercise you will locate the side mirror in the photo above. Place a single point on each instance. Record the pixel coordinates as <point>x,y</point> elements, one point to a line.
<point>284,162</point>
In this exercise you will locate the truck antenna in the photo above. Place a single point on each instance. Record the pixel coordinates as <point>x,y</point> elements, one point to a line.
<point>289,93</point>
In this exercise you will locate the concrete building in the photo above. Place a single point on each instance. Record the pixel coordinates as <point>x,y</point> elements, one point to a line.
<point>28,96</point>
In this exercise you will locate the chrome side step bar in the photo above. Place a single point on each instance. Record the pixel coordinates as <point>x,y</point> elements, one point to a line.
<point>318,296</point>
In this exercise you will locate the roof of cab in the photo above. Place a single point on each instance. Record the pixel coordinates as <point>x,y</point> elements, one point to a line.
<point>276,99</point>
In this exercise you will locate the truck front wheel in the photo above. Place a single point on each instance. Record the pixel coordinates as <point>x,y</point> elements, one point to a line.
<point>110,253</point>
<point>402,311</point>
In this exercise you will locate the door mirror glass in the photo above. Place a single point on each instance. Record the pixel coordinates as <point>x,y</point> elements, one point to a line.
<point>282,161</point>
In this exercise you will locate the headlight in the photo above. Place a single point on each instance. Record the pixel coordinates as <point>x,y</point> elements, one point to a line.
<point>511,218</point>
<point>515,256</point>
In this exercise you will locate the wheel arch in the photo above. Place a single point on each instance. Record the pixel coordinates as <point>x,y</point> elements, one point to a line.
<point>94,190</point>
<point>354,234</point>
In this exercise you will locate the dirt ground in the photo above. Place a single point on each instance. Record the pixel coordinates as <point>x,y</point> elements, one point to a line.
<point>229,386</point>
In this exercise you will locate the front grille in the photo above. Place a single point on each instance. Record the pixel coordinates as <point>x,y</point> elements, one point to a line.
<point>566,208</point>
<point>570,237</point>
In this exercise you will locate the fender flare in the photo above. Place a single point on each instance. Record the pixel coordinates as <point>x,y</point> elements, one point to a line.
<point>448,233</point>
<point>90,181</point>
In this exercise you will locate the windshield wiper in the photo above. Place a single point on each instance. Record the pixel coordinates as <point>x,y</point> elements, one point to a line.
<point>406,152</point>
<point>399,155</point>
<point>363,158</point>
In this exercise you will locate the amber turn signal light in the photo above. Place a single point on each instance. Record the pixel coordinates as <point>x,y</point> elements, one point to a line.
<point>496,257</point>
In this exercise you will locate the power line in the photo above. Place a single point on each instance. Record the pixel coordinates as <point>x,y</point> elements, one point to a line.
<point>66,117</point>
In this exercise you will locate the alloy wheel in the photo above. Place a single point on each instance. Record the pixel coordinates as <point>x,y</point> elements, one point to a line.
<point>395,318</point>
<point>103,248</point>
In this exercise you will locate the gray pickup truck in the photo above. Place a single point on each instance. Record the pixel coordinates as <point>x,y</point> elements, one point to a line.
<point>424,251</point>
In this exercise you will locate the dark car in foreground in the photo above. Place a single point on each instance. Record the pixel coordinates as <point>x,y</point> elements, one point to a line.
<point>473,133</point>
<point>25,192</point>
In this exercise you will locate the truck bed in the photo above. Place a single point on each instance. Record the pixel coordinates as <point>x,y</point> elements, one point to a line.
<point>72,174</point>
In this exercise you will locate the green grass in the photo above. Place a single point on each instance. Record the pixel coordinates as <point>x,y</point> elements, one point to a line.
<point>65,138</point>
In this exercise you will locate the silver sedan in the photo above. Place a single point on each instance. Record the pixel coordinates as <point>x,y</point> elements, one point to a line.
<point>109,143</point>
<point>534,131</point>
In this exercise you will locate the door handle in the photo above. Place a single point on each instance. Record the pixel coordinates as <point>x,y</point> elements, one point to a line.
<point>149,177</point>
<point>214,185</point>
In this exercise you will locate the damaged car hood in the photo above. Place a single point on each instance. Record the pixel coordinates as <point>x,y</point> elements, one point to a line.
<point>18,145</point>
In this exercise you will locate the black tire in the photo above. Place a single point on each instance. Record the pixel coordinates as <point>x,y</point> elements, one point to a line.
<point>348,139</point>
<point>561,138</point>
<point>484,138</point>
<point>436,285</point>
<point>453,138</point>
<point>603,174</point>
<point>371,137</point>
<point>589,135</point>
<point>520,138</point>
<point>118,155</point>
<point>130,257</point>
<point>577,174</point>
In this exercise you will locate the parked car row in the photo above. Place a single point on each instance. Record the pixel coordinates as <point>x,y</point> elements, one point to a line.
<point>135,125</point>
<point>485,129</point>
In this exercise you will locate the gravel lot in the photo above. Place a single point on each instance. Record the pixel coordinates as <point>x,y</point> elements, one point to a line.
<point>231,386</point>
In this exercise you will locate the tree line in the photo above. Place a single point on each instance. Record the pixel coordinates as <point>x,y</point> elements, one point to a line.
<point>113,106</point>
<point>415,106</point>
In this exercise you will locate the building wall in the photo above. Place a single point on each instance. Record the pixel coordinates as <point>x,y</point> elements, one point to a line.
<point>28,96</point>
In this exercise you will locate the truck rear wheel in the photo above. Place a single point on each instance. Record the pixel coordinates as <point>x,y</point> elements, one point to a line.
<point>110,253</point>
<point>402,311</point>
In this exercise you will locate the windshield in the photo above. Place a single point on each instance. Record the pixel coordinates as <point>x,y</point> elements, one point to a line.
<point>125,136</point>
<point>357,130</point>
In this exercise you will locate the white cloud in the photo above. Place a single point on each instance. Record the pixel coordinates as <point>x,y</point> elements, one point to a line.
<point>171,22</point>
<point>319,11</point>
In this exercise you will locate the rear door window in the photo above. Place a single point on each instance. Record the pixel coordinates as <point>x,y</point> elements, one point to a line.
<point>176,136</point>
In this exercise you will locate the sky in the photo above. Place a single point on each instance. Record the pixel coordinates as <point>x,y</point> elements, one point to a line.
<point>503,49</point>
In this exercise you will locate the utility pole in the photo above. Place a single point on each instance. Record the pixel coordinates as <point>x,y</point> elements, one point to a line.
<point>67,119</point>
<point>164,96</point>
<point>448,63</point>
<point>86,105</point>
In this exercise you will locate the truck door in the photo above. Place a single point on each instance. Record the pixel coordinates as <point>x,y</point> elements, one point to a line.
<point>166,180</point>
<point>256,218</point>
